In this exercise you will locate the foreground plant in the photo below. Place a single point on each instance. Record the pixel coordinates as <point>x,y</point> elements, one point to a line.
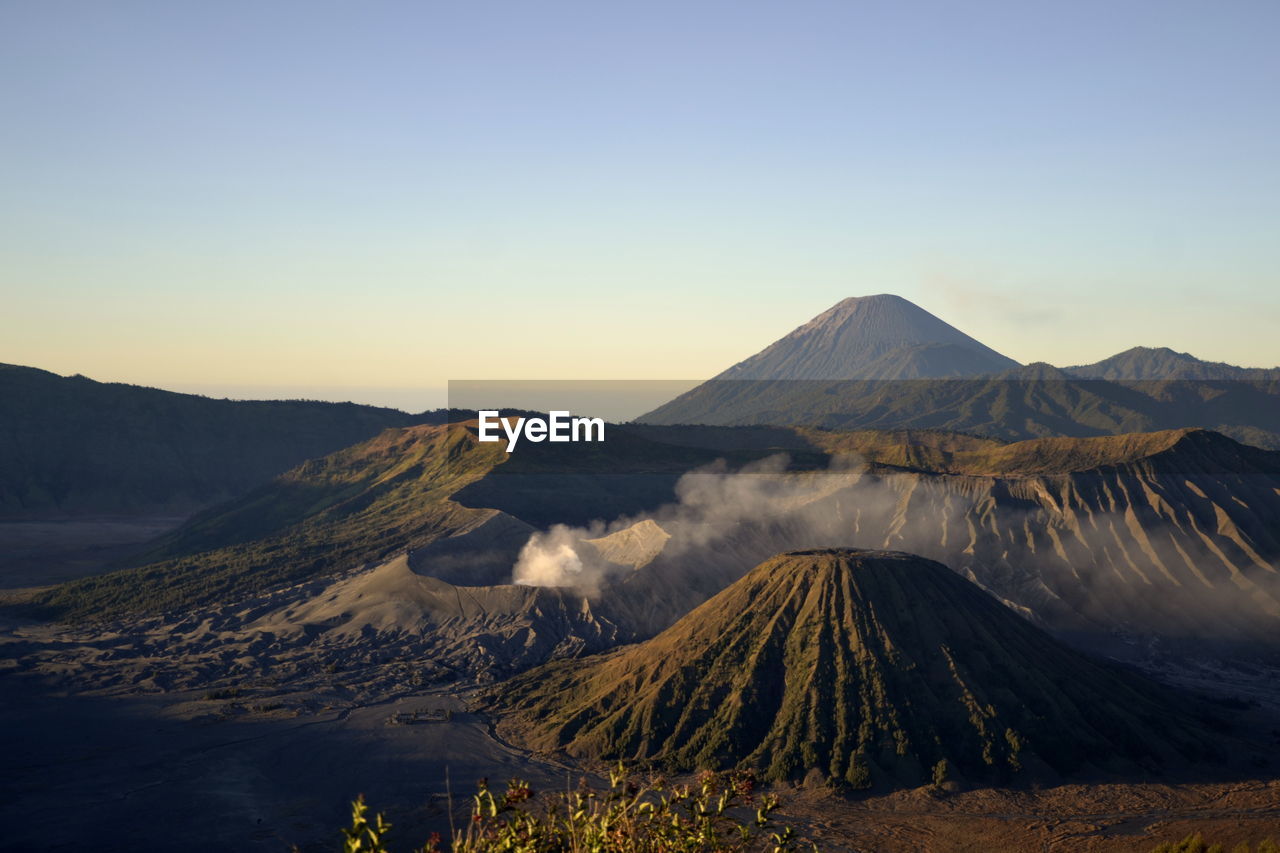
<point>712,814</point>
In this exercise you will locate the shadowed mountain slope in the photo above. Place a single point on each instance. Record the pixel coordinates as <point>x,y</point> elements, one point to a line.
<point>869,668</point>
<point>73,446</point>
<point>871,337</point>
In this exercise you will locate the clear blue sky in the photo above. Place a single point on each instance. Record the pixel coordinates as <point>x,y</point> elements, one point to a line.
<point>390,195</point>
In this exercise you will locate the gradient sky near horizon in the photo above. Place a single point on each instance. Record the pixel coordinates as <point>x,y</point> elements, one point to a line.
<point>370,199</point>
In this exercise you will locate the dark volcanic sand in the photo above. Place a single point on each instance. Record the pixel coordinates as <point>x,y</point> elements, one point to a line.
<point>156,773</point>
<point>46,552</point>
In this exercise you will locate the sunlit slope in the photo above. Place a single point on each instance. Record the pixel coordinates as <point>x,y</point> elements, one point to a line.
<point>1175,534</point>
<point>869,668</point>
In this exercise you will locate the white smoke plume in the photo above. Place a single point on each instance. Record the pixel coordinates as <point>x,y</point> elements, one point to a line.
<point>549,559</point>
<point>711,502</point>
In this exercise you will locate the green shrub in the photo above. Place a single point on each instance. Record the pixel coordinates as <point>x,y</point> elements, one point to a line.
<point>627,818</point>
<point>858,776</point>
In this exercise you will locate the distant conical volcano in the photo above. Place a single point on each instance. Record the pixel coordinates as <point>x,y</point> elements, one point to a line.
<point>866,667</point>
<point>872,337</point>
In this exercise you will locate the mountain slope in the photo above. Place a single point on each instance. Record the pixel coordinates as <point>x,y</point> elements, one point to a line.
<point>868,667</point>
<point>871,337</point>
<point>73,446</point>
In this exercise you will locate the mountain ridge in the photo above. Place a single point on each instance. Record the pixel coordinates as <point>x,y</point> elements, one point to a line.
<point>73,446</point>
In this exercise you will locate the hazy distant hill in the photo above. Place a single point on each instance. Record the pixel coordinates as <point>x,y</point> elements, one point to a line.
<point>861,365</point>
<point>871,337</point>
<point>70,445</point>
<point>1163,363</point>
<point>867,668</point>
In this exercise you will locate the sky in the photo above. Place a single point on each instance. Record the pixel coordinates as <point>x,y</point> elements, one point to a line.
<point>367,200</point>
